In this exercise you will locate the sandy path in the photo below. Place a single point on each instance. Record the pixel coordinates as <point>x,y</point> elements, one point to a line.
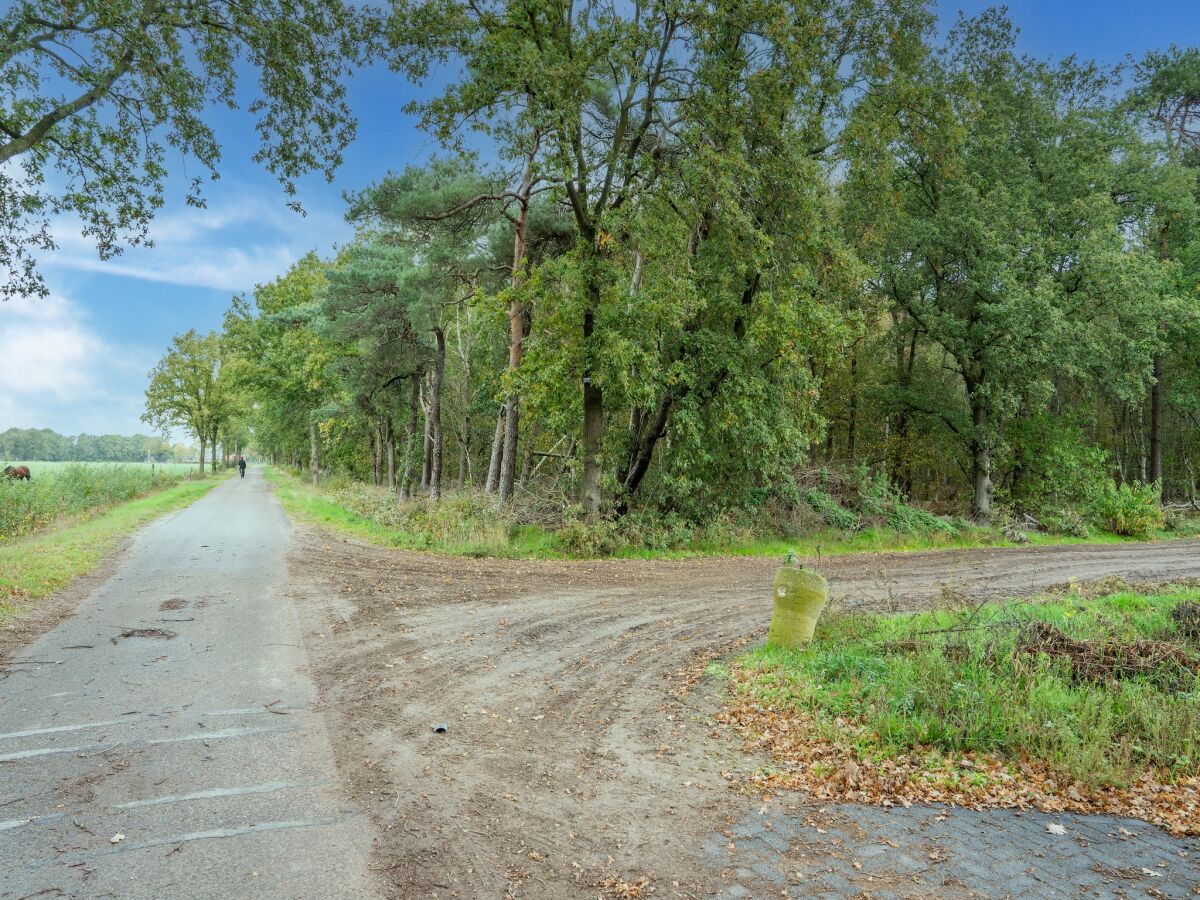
<point>571,764</point>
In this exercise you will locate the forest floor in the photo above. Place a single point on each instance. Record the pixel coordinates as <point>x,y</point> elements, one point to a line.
<point>544,729</point>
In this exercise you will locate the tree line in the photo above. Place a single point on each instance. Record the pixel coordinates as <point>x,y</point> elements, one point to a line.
<point>48,445</point>
<point>710,245</point>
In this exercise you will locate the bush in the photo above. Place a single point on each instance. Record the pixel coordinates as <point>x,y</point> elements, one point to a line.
<point>833,513</point>
<point>461,520</point>
<point>1065,521</point>
<point>882,501</point>
<point>588,539</point>
<point>1131,510</point>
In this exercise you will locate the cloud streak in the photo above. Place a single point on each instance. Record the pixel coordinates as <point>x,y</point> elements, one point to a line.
<point>231,245</point>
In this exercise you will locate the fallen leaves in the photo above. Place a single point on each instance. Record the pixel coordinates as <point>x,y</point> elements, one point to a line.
<point>614,886</point>
<point>803,760</point>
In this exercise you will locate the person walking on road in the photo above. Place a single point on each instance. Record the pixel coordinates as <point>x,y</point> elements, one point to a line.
<point>242,465</point>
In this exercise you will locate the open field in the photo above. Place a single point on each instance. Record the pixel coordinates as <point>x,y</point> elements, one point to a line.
<point>62,492</point>
<point>46,467</point>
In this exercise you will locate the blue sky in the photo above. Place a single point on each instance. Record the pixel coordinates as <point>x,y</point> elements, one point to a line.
<point>78,361</point>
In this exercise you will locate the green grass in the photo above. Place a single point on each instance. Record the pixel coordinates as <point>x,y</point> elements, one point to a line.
<point>37,566</point>
<point>949,682</point>
<point>468,525</point>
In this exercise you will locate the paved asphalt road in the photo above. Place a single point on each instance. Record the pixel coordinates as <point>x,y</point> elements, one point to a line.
<point>185,763</point>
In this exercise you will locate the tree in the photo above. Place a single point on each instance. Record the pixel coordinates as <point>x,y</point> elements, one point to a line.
<point>188,388</point>
<point>991,210</point>
<point>1168,95</point>
<point>436,262</point>
<point>366,307</point>
<point>95,95</point>
<point>280,361</point>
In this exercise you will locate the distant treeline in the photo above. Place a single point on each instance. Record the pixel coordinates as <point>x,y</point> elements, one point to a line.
<point>49,445</point>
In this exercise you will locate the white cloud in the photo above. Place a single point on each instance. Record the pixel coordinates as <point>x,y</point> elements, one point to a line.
<point>231,245</point>
<point>46,350</point>
<point>58,373</point>
<point>224,269</point>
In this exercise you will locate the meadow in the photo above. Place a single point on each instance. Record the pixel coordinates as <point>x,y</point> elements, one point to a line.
<point>61,491</point>
<point>43,467</point>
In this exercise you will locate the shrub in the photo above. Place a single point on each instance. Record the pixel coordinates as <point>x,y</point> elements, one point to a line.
<point>879,499</point>
<point>600,538</point>
<point>463,520</point>
<point>1131,510</point>
<point>833,513</point>
<point>1065,521</point>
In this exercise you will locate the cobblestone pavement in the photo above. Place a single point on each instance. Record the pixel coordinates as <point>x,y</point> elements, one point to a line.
<point>933,851</point>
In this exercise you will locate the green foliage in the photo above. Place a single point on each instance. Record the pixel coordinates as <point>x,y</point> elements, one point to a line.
<point>834,514</point>
<point>97,97</point>
<point>949,682</point>
<point>1065,521</point>
<point>880,500</point>
<point>72,489</point>
<point>1054,464</point>
<point>191,388</point>
<point>464,519</point>
<point>1129,509</point>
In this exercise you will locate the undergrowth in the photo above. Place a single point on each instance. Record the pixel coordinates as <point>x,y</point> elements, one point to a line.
<point>470,523</point>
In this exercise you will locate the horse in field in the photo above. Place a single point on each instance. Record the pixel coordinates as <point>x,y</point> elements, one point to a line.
<point>19,473</point>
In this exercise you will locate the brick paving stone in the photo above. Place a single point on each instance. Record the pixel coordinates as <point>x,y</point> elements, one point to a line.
<point>997,853</point>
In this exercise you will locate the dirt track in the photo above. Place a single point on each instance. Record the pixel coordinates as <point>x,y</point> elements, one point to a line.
<point>571,765</point>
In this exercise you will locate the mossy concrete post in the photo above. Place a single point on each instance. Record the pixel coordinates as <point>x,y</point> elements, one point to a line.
<point>800,597</point>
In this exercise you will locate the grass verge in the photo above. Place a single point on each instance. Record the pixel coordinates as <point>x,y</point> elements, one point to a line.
<point>470,525</point>
<point>37,566</point>
<point>1073,702</point>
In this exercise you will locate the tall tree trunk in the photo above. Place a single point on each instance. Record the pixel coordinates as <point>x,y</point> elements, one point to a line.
<point>389,442</point>
<point>901,471</point>
<point>981,460</point>
<point>852,423</point>
<point>435,415</point>
<point>643,453</point>
<point>493,473</point>
<point>1156,423</point>
<point>214,451</point>
<point>517,319</point>
<point>427,458</point>
<point>1157,392</point>
<point>593,405</point>
<point>203,445</point>
<point>411,440</point>
<point>376,453</point>
<point>313,461</point>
